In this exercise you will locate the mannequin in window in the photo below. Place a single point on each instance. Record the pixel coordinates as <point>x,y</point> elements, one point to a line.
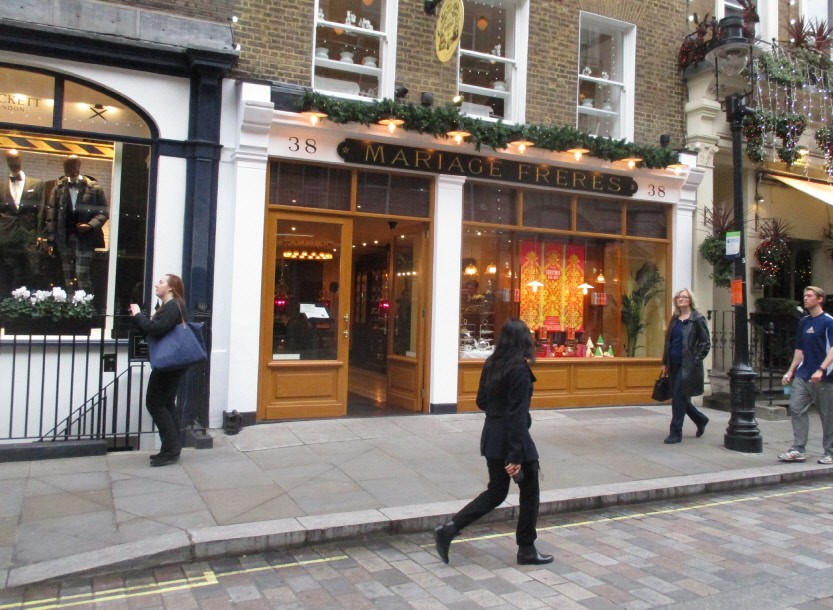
<point>76,212</point>
<point>21,199</point>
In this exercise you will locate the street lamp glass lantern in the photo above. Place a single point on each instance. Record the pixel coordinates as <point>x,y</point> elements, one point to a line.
<point>733,51</point>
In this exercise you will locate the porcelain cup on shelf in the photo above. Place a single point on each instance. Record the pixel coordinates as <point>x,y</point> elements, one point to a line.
<point>347,57</point>
<point>369,61</point>
<point>607,106</point>
<point>499,85</point>
<point>322,53</point>
<point>587,102</point>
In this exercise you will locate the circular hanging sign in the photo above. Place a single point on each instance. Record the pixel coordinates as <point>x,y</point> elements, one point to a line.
<point>449,29</point>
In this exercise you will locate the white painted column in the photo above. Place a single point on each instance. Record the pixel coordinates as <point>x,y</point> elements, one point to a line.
<point>683,238</point>
<point>169,225</point>
<point>445,299</point>
<point>239,255</point>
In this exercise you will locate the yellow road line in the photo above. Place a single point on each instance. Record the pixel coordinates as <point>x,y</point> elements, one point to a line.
<point>666,511</point>
<point>207,578</point>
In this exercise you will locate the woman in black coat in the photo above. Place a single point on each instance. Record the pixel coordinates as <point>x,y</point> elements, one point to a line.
<point>687,344</point>
<point>504,394</point>
<point>162,385</point>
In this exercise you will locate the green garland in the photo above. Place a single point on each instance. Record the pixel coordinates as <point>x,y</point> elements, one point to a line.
<point>437,121</point>
<point>795,67</point>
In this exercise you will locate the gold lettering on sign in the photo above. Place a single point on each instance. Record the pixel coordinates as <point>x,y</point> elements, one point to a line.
<point>418,158</point>
<point>494,169</point>
<point>400,156</point>
<point>523,170</point>
<point>598,183</point>
<point>614,181</point>
<point>456,165</point>
<point>475,166</point>
<point>375,155</point>
<point>542,172</point>
<point>561,177</point>
<point>581,179</point>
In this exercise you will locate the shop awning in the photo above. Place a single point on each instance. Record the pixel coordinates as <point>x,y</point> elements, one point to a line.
<point>822,192</point>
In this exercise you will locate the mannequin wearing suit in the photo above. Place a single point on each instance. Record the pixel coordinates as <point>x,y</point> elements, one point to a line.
<point>21,200</point>
<point>76,212</point>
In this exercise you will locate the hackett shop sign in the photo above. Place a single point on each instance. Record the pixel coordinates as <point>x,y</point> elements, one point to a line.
<point>393,156</point>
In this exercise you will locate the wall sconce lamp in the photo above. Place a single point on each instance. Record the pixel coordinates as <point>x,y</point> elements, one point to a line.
<point>400,93</point>
<point>632,161</point>
<point>458,134</point>
<point>535,285</point>
<point>522,144</point>
<point>314,113</point>
<point>585,287</point>
<point>392,123</point>
<point>430,6</point>
<point>426,99</point>
<point>759,198</point>
<point>457,100</point>
<point>578,152</point>
<point>677,168</point>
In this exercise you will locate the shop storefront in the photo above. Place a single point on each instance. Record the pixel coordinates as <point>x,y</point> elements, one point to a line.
<point>389,262</point>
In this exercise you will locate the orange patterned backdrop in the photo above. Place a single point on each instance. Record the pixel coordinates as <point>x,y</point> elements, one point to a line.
<point>559,303</point>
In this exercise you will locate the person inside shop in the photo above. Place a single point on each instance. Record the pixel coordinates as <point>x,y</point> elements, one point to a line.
<point>76,211</point>
<point>21,200</point>
<point>470,289</point>
<point>505,393</point>
<point>687,343</point>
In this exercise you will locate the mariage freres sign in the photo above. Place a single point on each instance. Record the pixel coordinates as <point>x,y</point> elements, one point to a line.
<point>491,168</point>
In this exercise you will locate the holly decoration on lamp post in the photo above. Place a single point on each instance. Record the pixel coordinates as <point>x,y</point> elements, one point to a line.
<point>789,127</point>
<point>755,127</point>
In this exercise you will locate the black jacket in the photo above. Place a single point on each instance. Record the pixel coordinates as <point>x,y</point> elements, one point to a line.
<point>696,346</point>
<point>505,433</point>
<point>90,208</point>
<point>163,321</point>
<point>18,224</point>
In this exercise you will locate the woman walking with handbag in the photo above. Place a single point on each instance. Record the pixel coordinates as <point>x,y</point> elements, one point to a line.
<point>504,394</point>
<point>163,384</point>
<point>687,344</point>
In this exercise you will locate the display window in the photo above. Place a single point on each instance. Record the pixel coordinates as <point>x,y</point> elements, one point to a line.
<point>73,198</point>
<point>590,280</point>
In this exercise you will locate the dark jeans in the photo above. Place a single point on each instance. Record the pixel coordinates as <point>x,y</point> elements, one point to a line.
<point>680,403</point>
<point>161,404</point>
<point>496,493</point>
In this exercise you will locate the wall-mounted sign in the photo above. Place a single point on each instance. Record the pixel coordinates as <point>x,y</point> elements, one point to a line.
<point>393,156</point>
<point>449,29</point>
<point>732,244</point>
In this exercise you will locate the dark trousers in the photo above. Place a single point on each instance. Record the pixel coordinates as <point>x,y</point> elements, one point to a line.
<point>681,403</point>
<point>161,404</point>
<point>496,493</point>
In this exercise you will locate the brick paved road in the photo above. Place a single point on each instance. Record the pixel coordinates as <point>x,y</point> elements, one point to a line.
<point>764,548</point>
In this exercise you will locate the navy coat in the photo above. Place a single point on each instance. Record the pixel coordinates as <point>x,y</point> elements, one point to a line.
<point>696,346</point>
<point>505,435</point>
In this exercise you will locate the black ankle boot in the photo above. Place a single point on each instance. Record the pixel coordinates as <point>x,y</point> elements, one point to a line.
<point>528,555</point>
<point>443,535</point>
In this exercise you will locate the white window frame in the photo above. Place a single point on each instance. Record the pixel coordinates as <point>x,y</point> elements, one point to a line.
<point>515,96</point>
<point>385,72</point>
<point>720,7</point>
<point>802,10</point>
<point>627,84</point>
<point>767,28</point>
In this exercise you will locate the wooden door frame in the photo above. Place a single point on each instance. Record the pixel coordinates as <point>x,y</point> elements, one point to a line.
<point>273,217</point>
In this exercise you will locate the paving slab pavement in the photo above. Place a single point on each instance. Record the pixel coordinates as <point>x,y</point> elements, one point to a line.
<point>291,483</point>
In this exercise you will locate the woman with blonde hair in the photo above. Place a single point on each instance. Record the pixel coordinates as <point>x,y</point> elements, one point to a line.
<point>687,343</point>
<point>163,385</point>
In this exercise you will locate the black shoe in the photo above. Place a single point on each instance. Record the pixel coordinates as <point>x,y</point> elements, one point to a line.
<point>701,427</point>
<point>164,460</point>
<point>672,440</point>
<point>443,535</point>
<point>153,457</point>
<point>529,556</point>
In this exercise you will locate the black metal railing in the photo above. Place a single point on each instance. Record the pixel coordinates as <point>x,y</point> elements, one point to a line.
<point>91,386</point>
<point>771,346</point>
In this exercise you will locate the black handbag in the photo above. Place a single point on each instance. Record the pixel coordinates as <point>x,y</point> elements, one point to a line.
<point>182,347</point>
<point>662,389</point>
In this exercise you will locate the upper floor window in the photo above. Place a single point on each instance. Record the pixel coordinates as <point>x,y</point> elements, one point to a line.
<point>815,11</point>
<point>728,8</point>
<point>606,76</point>
<point>355,49</point>
<point>492,70</point>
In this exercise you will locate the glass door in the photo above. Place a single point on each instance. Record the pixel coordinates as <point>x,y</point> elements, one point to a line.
<point>305,318</point>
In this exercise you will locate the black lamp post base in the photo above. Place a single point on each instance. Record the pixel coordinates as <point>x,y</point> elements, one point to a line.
<point>743,444</point>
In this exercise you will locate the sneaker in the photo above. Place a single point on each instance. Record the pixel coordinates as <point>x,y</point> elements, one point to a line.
<point>826,459</point>
<point>793,455</point>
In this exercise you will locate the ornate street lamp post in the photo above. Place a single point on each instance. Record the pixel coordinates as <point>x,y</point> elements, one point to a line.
<point>732,54</point>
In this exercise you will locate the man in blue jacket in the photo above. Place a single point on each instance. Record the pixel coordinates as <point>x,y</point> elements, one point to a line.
<point>811,374</point>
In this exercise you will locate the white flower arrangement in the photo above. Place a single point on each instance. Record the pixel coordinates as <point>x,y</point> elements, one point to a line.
<point>51,304</point>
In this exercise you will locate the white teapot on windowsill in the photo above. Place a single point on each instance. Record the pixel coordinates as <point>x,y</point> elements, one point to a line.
<point>347,57</point>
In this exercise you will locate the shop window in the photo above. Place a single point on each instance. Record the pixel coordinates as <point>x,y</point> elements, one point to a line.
<point>26,98</point>
<point>573,292</point>
<point>547,210</point>
<point>646,220</point>
<point>606,77</point>
<point>355,48</point>
<point>489,203</point>
<point>309,186</point>
<point>394,195</point>
<point>492,65</point>
<point>86,109</point>
<point>599,216</point>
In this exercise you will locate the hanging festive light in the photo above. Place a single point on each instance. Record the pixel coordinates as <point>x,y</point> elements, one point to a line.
<point>471,269</point>
<point>632,161</point>
<point>522,145</point>
<point>392,123</point>
<point>585,287</point>
<point>491,269</point>
<point>314,113</point>
<point>578,152</point>
<point>600,279</point>
<point>458,134</point>
<point>535,285</point>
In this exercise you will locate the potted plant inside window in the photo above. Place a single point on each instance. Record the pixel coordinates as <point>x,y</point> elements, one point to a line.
<point>45,312</point>
<point>647,282</point>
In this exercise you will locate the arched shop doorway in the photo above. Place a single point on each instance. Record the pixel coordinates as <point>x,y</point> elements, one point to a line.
<point>47,116</point>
